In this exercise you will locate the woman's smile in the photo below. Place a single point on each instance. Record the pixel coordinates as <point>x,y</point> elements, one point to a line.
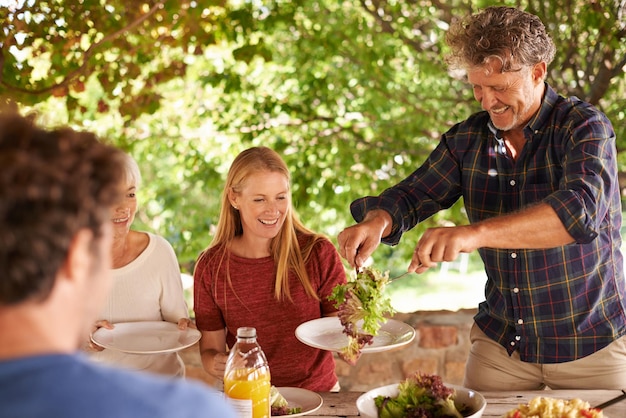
<point>263,203</point>
<point>120,220</point>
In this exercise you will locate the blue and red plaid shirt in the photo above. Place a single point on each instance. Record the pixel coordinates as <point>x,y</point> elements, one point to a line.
<point>553,305</point>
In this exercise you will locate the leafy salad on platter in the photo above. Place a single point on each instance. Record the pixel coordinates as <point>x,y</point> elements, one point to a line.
<point>420,395</point>
<point>363,308</point>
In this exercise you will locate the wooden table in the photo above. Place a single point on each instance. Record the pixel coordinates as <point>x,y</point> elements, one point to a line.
<point>343,404</point>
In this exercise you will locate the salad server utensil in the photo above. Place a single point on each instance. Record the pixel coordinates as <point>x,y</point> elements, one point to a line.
<point>399,277</point>
<point>402,275</point>
<point>612,401</point>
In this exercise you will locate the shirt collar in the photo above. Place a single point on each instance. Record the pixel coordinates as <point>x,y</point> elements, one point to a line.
<point>542,117</point>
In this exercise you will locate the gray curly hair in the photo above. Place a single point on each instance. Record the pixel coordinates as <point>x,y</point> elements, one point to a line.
<point>511,36</point>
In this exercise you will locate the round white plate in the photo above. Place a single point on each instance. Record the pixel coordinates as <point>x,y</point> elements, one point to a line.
<point>327,334</point>
<point>146,337</point>
<point>463,397</point>
<point>303,398</point>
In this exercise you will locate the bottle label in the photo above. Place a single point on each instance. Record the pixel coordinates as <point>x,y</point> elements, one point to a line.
<point>243,407</point>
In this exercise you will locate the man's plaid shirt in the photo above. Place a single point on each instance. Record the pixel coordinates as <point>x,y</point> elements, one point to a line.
<point>553,305</point>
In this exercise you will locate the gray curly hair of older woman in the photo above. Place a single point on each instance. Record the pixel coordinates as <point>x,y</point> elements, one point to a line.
<point>514,37</point>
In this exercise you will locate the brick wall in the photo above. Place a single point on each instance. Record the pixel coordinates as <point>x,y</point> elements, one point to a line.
<point>440,346</point>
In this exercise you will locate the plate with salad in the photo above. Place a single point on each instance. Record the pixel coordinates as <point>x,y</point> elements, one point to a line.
<point>362,324</point>
<point>327,334</point>
<point>294,402</point>
<point>421,395</point>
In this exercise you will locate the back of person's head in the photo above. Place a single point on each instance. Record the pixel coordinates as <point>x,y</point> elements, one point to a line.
<point>511,36</point>
<point>53,183</point>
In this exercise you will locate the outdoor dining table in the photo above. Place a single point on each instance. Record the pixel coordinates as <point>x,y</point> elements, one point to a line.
<point>343,404</point>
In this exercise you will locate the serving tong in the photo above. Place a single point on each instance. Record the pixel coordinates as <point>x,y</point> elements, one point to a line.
<point>398,277</point>
<point>393,278</point>
<point>610,402</point>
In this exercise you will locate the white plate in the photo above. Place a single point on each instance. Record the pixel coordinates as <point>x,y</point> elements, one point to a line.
<point>147,337</point>
<point>466,397</point>
<point>303,398</point>
<point>327,334</point>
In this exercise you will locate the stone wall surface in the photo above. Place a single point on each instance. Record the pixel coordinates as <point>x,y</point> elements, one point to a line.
<point>441,346</point>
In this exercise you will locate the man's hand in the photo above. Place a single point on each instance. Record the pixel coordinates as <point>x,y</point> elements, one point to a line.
<point>358,242</point>
<point>442,244</point>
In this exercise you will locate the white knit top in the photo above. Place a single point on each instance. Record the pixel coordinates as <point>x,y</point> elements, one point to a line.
<point>147,289</point>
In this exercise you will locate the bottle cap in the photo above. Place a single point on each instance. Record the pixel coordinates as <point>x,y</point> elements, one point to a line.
<point>246,332</point>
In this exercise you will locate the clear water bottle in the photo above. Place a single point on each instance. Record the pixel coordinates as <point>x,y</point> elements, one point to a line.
<point>247,376</point>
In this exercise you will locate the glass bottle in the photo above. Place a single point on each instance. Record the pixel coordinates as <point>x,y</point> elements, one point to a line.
<point>247,376</point>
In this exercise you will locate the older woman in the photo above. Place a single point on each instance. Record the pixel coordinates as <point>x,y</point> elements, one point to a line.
<point>147,284</point>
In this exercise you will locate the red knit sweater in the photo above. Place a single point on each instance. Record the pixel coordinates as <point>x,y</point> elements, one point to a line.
<point>252,304</point>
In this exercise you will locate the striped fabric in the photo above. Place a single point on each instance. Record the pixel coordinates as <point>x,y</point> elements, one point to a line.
<point>552,305</point>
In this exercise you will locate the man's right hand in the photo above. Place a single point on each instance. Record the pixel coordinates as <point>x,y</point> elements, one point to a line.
<point>358,242</point>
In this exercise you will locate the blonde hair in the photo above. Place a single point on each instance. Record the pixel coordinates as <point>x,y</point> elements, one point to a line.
<point>284,248</point>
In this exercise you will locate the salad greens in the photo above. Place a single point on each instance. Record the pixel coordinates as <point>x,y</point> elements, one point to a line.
<point>420,395</point>
<point>362,308</point>
<point>279,405</point>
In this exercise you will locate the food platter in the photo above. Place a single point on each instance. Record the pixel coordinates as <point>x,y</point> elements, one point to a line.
<point>463,397</point>
<point>327,334</point>
<point>146,337</point>
<point>305,399</point>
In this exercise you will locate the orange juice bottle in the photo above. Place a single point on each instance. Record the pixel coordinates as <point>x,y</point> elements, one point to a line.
<point>247,377</point>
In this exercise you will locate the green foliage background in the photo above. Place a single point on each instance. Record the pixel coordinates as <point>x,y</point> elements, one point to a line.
<point>354,94</point>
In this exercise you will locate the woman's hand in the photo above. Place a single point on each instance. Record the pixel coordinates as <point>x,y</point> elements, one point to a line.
<point>213,352</point>
<point>91,346</point>
<point>184,323</point>
<point>219,364</point>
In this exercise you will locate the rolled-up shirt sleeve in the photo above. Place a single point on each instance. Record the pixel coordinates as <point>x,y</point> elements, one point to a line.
<point>361,206</point>
<point>587,188</point>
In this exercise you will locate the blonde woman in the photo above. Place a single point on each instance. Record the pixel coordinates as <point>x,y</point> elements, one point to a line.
<point>265,269</point>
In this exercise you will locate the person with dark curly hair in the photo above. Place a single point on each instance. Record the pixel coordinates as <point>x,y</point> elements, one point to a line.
<point>538,176</point>
<point>56,191</point>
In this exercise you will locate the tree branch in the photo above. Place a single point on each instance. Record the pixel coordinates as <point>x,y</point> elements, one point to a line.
<point>387,27</point>
<point>88,53</point>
